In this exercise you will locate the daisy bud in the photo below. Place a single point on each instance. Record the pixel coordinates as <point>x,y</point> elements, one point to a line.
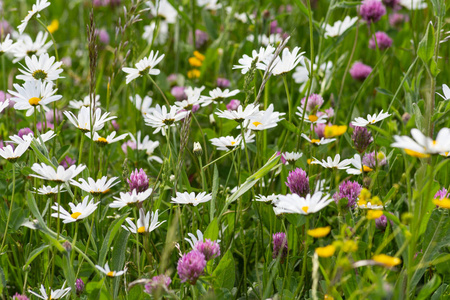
<point>298,182</point>
<point>190,266</point>
<point>362,138</point>
<point>198,149</point>
<point>138,181</point>
<point>383,41</point>
<point>406,117</point>
<point>279,245</point>
<point>366,182</point>
<point>350,190</point>
<point>172,178</point>
<point>372,10</point>
<point>156,282</point>
<point>79,286</point>
<point>67,245</point>
<point>360,71</point>
<point>211,119</point>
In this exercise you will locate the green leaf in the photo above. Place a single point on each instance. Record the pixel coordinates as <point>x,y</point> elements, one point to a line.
<point>426,45</point>
<point>62,152</point>
<point>109,238</point>
<point>224,274</point>
<point>212,231</point>
<point>35,253</point>
<point>118,257</point>
<point>429,288</point>
<point>215,189</point>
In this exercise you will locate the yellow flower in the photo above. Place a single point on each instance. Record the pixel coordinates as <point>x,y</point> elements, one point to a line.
<point>443,203</point>
<point>198,55</point>
<point>350,246</point>
<point>195,62</point>
<point>326,251</point>
<point>387,260</point>
<point>319,232</point>
<point>376,201</point>
<point>334,130</point>
<point>374,214</point>
<point>416,154</point>
<point>364,196</point>
<point>327,297</point>
<point>194,73</point>
<point>54,25</point>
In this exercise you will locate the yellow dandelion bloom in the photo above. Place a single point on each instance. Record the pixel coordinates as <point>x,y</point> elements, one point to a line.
<point>387,260</point>
<point>327,297</point>
<point>443,203</point>
<point>416,154</point>
<point>326,251</point>
<point>350,246</point>
<point>195,62</point>
<point>199,56</point>
<point>334,130</point>
<point>319,232</point>
<point>374,214</point>
<point>194,73</point>
<point>54,25</point>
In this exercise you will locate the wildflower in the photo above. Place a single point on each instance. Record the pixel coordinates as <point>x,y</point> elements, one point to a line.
<point>339,27</point>
<point>54,25</point>
<point>365,202</point>
<point>446,92</point>
<point>273,199</point>
<point>195,62</point>
<point>145,223</point>
<point>178,93</point>
<point>360,71</point>
<point>138,181</point>
<point>210,249</point>
<point>79,286</point>
<point>421,145</point>
<point>25,46</point>
<point>442,202</point>
<point>264,54</point>
<point>233,104</point>
<point>201,38</point>
<point>6,46</point>
<point>350,190</point>
<point>157,282</point>
<point>374,214</point>
<point>334,130</point>
<point>190,266</point>
<point>319,232</point>
<point>11,154</point>
<point>298,182</point>
<point>240,114</point>
<point>78,104</point>
<point>386,260</point>
<point>290,157</point>
<point>326,251</point>
<point>43,68</point>
<point>164,10</point>
<point>372,10</point>
<point>34,95</point>
<point>280,245</point>
<point>59,175</point>
<point>194,73</point>
<point>144,66</point>
<point>302,72</point>
<point>228,142</point>
<point>312,118</point>
<point>317,142</point>
<point>161,119</point>
<point>191,198</point>
<point>371,119</point>
<point>397,19</point>
<point>129,199</point>
<point>319,129</point>
<point>263,120</point>
<point>217,95</point>
<point>107,271</point>
<point>222,83</point>
<point>67,162</point>
<point>191,101</point>
<point>29,137</point>
<point>374,159</point>
<point>83,120</point>
<point>198,149</point>
<point>101,141</point>
<point>49,190</point>
<point>381,222</point>
<point>414,4</point>
<point>288,61</point>
<point>99,187</point>
<point>362,138</point>
<point>333,163</point>
<point>35,9</point>
<point>293,203</point>
<point>18,296</point>
<point>103,36</point>
<point>54,294</point>
<point>359,167</point>
<point>382,40</point>
<point>80,211</point>
<point>441,194</point>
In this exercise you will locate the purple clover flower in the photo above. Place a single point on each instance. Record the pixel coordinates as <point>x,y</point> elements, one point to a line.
<point>25,131</point>
<point>373,159</point>
<point>360,71</point>
<point>18,296</point>
<point>441,194</point>
<point>210,249</point>
<point>127,144</point>
<point>315,101</point>
<point>178,93</point>
<point>201,38</point>
<point>383,41</point>
<point>372,10</point>
<point>222,83</point>
<point>67,162</point>
<point>350,190</point>
<point>361,138</point>
<point>397,20</point>
<point>233,105</point>
<point>160,281</point>
<point>138,181</point>
<point>79,286</point>
<point>190,266</point>
<point>298,182</point>
<point>279,245</point>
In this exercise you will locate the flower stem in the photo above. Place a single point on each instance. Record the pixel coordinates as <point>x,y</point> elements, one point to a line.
<point>10,208</point>
<point>160,91</point>
<point>288,98</point>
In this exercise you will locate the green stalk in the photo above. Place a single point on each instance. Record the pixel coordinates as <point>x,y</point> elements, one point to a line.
<point>305,252</point>
<point>159,89</point>
<point>288,98</point>
<point>10,207</point>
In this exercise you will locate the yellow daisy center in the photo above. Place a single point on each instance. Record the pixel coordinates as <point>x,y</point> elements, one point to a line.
<point>256,123</point>
<point>75,215</point>
<point>110,274</point>
<point>315,141</point>
<point>102,140</point>
<point>34,101</point>
<point>313,118</point>
<point>305,209</point>
<point>232,143</point>
<point>366,169</point>
<point>141,229</point>
<point>39,74</point>
<point>416,154</point>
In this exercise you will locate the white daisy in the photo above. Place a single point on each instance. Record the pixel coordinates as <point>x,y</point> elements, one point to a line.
<point>59,175</point>
<point>293,203</point>
<point>270,199</point>
<point>34,95</point>
<point>240,114</point>
<point>80,211</point>
<point>143,105</point>
<point>78,104</point>
<point>371,119</point>
<point>83,121</point>
<point>43,68</point>
<point>322,141</point>
<point>54,294</point>
<point>291,157</point>
<point>217,95</point>
<point>162,33</point>
<point>446,92</point>
<point>99,187</point>
<point>228,142</point>
<point>108,140</point>
<point>301,74</point>
<point>30,137</point>
<point>194,239</point>
<point>129,199</point>
<point>147,145</point>
<point>145,223</point>
<point>35,9</point>
<point>369,205</point>
<point>311,118</point>
<point>265,40</point>
<point>414,4</point>
<point>4,105</point>
<point>421,145</point>
<point>193,98</point>
<point>49,190</point>
<point>263,119</point>
<point>164,10</point>
<point>191,198</point>
<point>209,4</point>
<point>359,168</point>
<point>107,271</point>
<point>13,154</point>
<point>6,46</point>
<point>288,61</point>
<point>25,46</point>
<point>262,55</point>
<point>144,66</point>
<point>161,119</point>
<point>331,163</point>
<point>339,27</point>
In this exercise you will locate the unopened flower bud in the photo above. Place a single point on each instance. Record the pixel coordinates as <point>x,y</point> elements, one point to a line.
<point>211,119</point>
<point>67,246</point>
<point>198,149</point>
<point>406,117</point>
